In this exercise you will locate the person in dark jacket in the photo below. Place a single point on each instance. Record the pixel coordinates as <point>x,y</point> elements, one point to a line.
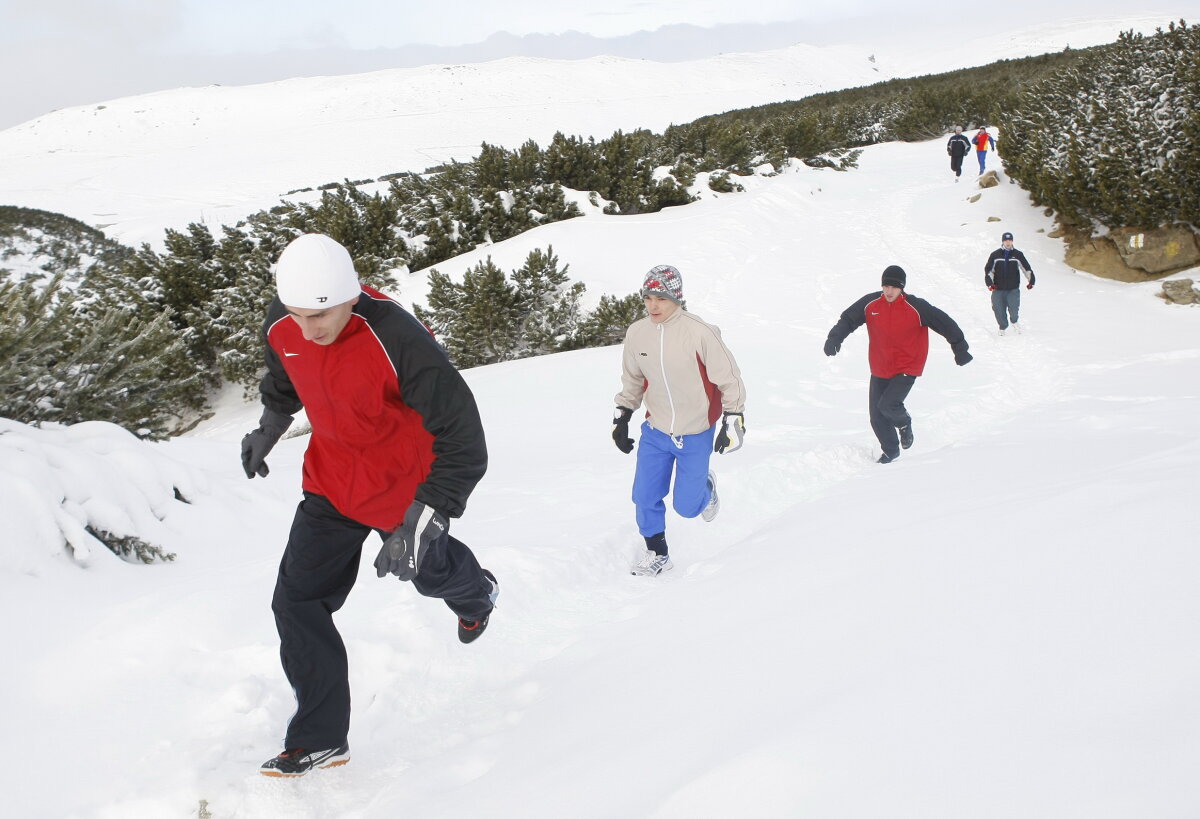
<point>1002,275</point>
<point>397,446</point>
<point>898,326</point>
<point>958,147</point>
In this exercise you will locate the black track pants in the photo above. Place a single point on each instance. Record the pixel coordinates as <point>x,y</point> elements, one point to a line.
<point>319,567</point>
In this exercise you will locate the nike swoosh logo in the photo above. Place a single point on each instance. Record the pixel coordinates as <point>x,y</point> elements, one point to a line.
<point>289,355</point>
<point>874,314</point>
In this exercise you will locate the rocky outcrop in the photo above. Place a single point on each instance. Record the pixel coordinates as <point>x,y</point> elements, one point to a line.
<point>1159,251</point>
<point>1132,254</point>
<point>989,180</point>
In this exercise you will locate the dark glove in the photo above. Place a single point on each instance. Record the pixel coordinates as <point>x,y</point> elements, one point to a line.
<point>404,549</point>
<point>733,430</point>
<point>962,357</point>
<point>832,347</point>
<point>256,444</point>
<point>620,433</point>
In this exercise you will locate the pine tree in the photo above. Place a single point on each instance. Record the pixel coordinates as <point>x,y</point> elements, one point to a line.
<point>1106,140</point>
<point>477,321</point>
<point>606,325</point>
<point>549,307</point>
<point>491,168</point>
<point>66,363</point>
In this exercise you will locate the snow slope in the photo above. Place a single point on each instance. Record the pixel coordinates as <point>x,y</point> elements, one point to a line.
<point>1002,623</point>
<point>137,165</point>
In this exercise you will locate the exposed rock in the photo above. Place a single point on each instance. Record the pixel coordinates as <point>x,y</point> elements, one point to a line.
<point>1180,291</point>
<point>989,180</point>
<point>1130,254</point>
<point>1098,255</point>
<point>1159,251</point>
<point>975,198</point>
<point>993,218</point>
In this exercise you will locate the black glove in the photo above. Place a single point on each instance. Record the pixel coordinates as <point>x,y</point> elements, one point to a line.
<point>404,549</point>
<point>620,433</point>
<point>962,357</point>
<point>256,444</point>
<point>832,347</point>
<point>733,430</point>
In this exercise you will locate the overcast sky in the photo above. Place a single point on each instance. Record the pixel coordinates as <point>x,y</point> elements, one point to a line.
<point>60,53</point>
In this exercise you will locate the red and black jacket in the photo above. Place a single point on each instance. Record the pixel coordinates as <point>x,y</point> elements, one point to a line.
<point>899,332</point>
<point>392,420</point>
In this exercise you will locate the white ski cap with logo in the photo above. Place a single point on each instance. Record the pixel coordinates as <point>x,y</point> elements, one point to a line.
<point>315,272</point>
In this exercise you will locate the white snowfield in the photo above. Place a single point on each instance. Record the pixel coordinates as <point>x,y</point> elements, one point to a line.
<point>1002,623</point>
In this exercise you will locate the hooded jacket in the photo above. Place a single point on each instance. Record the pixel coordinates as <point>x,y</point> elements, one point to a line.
<point>392,420</point>
<point>682,371</point>
<point>958,146</point>
<point>899,332</point>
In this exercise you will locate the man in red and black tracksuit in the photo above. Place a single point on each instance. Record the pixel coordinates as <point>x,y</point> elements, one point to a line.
<point>898,325</point>
<point>397,446</point>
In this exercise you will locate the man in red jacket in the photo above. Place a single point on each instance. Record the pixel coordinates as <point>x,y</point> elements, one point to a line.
<point>898,326</point>
<point>397,446</point>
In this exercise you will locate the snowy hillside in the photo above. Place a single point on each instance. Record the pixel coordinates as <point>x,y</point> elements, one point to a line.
<point>137,165</point>
<point>1000,624</point>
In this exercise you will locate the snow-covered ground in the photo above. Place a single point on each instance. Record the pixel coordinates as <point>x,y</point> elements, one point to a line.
<point>136,165</point>
<point>1003,623</point>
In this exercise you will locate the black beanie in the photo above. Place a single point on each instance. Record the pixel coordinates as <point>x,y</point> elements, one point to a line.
<point>894,276</point>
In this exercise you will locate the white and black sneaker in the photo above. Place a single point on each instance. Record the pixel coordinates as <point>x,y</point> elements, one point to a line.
<point>714,503</point>
<point>906,435</point>
<point>299,761</point>
<point>651,564</point>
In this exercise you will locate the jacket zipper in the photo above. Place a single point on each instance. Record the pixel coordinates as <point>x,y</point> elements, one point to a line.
<point>662,364</point>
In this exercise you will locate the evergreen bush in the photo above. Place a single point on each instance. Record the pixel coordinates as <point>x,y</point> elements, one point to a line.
<point>1112,139</point>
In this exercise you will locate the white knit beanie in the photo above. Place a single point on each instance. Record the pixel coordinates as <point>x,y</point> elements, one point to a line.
<point>315,272</point>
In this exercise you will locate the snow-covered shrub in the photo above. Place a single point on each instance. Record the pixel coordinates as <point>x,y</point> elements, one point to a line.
<point>84,492</point>
<point>1115,139</point>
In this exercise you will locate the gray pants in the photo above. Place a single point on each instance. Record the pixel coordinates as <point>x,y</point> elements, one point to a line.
<point>1006,301</point>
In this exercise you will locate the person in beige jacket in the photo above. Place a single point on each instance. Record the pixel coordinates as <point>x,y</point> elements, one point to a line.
<point>678,366</point>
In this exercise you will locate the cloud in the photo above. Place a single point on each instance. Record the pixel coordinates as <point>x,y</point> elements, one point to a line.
<point>105,26</point>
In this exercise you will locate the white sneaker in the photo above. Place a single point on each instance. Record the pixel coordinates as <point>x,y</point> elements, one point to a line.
<point>714,505</point>
<point>1016,327</point>
<point>651,564</point>
<point>1001,332</point>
